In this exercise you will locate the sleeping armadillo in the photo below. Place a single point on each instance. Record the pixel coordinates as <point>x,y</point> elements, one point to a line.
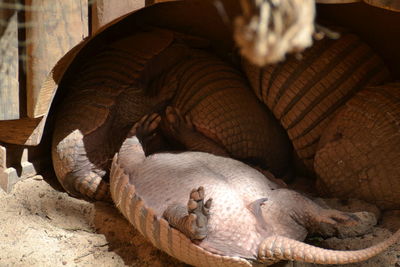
<point>234,216</point>
<point>359,151</point>
<point>140,73</point>
<point>304,93</point>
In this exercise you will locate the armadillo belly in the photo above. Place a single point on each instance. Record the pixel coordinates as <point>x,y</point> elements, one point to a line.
<point>304,93</point>
<point>359,152</point>
<point>157,230</point>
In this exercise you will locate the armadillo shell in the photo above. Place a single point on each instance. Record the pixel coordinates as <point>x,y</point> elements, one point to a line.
<point>222,107</point>
<point>304,94</point>
<point>359,152</point>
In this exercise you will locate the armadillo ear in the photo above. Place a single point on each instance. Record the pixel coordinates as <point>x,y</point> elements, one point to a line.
<point>255,208</point>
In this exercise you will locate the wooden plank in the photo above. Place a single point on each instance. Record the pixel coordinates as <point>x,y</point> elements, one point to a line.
<point>29,132</point>
<point>56,26</point>
<point>24,131</point>
<point>9,86</point>
<point>393,5</point>
<point>14,166</point>
<point>104,11</point>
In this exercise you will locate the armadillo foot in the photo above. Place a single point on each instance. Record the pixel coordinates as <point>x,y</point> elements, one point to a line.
<point>199,212</point>
<point>180,129</point>
<point>331,216</point>
<point>191,220</point>
<point>177,124</point>
<point>146,131</point>
<point>146,126</point>
<point>90,186</point>
<point>342,224</point>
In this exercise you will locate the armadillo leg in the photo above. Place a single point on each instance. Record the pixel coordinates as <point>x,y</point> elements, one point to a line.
<point>76,173</point>
<point>294,208</point>
<point>141,135</point>
<point>180,129</point>
<point>90,186</point>
<point>331,222</point>
<point>191,220</point>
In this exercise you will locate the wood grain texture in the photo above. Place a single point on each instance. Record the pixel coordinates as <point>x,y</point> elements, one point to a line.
<point>24,131</point>
<point>162,15</point>
<point>9,85</point>
<point>57,26</point>
<point>14,166</point>
<point>104,11</point>
<point>378,27</point>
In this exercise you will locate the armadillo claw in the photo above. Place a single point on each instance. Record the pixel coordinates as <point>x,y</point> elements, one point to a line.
<point>331,216</point>
<point>206,208</point>
<point>151,122</point>
<point>198,214</point>
<point>177,123</point>
<point>331,222</point>
<point>146,126</point>
<point>192,205</point>
<point>169,114</point>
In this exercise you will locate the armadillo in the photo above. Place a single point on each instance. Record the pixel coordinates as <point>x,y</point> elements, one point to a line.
<point>139,74</point>
<point>95,109</point>
<point>358,154</point>
<point>305,93</point>
<point>221,106</point>
<point>209,210</point>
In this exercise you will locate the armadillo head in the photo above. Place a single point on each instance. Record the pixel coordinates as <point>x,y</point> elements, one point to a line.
<point>275,248</point>
<point>268,29</point>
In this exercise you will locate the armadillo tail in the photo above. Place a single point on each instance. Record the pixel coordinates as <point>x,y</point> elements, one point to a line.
<point>276,248</point>
<point>90,186</point>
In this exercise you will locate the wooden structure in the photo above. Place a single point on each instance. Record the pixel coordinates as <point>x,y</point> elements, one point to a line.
<point>46,30</point>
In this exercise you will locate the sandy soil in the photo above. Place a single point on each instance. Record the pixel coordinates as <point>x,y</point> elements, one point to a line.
<point>42,226</point>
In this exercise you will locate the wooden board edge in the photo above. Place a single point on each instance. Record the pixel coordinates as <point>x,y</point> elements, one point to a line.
<point>9,175</point>
<point>24,131</point>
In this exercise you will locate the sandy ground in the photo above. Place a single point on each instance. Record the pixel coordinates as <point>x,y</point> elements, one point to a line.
<point>42,226</point>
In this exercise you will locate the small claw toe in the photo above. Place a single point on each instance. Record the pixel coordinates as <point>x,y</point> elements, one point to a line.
<point>328,220</point>
<point>169,113</point>
<point>335,216</point>
<point>339,216</point>
<point>155,121</point>
<point>188,121</point>
<point>353,217</point>
<point>134,129</point>
<point>143,119</point>
<point>208,203</point>
<point>192,205</point>
<point>201,192</point>
<point>195,196</point>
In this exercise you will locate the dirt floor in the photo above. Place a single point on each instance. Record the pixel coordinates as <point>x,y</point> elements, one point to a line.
<point>42,226</point>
